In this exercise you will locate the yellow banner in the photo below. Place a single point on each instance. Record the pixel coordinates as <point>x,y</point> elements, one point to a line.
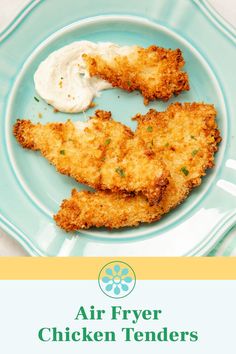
<point>75,268</point>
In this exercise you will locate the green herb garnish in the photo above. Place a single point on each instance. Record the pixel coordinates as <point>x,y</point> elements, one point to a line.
<point>184,170</point>
<point>167,144</point>
<point>194,152</point>
<point>36,99</point>
<point>128,83</point>
<point>149,129</point>
<point>107,142</point>
<point>120,172</point>
<point>62,152</point>
<point>193,137</point>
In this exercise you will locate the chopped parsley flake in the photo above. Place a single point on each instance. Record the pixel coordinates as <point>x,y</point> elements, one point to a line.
<point>36,99</point>
<point>107,142</point>
<point>128,83</point>
<point>149,129</point>
<point>120,172</point>
<point>194,152</point>
<point>167,144</point>
<point>62,152</point>
<point>184,170</point>
<point>193,137</point>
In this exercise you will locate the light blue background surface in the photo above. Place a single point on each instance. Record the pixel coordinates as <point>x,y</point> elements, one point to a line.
<point>204,306</point>
<point>201,90</point>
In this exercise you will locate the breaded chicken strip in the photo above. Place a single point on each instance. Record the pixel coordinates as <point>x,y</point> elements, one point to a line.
<point>186,137</point>
<point>101,153</point>
<point>155,72</point>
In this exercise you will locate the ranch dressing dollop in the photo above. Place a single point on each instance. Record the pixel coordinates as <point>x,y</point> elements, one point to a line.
<point>63,80</point>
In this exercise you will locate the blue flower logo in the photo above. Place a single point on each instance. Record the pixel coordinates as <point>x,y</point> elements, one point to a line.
<point>117,279</point>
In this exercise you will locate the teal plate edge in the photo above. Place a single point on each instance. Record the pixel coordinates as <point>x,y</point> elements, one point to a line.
<point>213,15</point>
<point>221,229</point>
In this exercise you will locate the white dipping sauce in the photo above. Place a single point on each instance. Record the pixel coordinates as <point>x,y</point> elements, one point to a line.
<point>63,80</point>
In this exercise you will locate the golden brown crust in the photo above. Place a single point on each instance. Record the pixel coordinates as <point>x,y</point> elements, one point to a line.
<point>22,128</point>
<point>155,72</point>
<point>186,137</point>
<point>105,154</point>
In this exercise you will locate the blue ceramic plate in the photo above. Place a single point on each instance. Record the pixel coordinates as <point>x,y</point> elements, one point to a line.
<point>31,190</point>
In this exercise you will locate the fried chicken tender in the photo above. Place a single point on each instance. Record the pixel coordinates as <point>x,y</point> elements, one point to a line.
<point>186,137</point>
<point>101,153</point>
<point>155,72</point>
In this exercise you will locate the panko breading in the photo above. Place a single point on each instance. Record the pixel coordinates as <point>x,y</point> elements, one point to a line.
<point>101,153</point>
<point>155,72</point>
<point>186,137</point>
